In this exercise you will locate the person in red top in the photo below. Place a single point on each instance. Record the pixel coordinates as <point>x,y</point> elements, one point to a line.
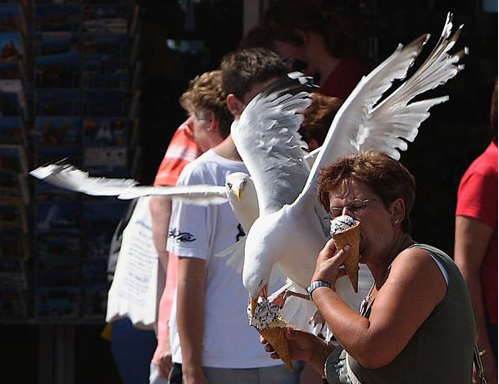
<point>475,248</point>
<point>317,43</point>
<point>181,151</point>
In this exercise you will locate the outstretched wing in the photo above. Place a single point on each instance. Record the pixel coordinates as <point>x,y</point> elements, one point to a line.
<point>201,194</point>
<point>361,125</point>
<point>71,178</point>
<point>267,139</point>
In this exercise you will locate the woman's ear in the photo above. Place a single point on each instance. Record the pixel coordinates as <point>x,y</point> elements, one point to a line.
<point>213,122</point>
<point>397,211</point>
<point>236,106</point>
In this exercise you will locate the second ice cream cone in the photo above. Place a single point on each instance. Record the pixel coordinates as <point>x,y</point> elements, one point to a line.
<point>277,339</point>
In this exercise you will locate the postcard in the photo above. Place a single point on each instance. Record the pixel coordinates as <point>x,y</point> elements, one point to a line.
<point>105,47</point>
<point>52,43</point>
<point>11,47</point>
<point>105,131</point>
<point>58,102</point>
<point>59,70</point>
<point>106,161</point>
<point>10,17</point>
<point>57,17</point>
<point>57,130</point>
<point>12,98</point>
<point>105,102</point>
<point>105,74</point>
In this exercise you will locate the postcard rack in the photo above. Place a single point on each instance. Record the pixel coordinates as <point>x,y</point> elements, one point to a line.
<point>64,94</point>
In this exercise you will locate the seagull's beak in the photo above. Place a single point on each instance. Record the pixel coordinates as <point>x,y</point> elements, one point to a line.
<point>253,301</point>
<point>238,193</point>
<point>253,306</point>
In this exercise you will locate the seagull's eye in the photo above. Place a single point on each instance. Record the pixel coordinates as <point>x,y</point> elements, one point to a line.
<point>244,182</point>
<point>229,185</point>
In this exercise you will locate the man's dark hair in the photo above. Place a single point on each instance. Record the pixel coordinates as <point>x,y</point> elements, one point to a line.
<point>243,69</point>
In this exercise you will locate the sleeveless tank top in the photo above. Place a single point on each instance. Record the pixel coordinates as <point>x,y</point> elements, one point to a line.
<point>441,350</point>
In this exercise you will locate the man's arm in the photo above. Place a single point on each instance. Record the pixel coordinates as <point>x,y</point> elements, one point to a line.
<point>161,209</point>
<point>190,317</point>
<point>471,240</point>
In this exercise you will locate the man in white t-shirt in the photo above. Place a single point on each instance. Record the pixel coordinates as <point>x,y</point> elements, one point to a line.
<point>211,339</point>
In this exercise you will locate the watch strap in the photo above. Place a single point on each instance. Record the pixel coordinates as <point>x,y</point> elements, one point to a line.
<point>317,284</point>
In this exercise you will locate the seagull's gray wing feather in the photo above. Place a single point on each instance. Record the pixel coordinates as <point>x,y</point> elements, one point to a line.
<point>267,139</point>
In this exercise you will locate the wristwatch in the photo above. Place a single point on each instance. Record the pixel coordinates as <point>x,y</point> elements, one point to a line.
<point>317,284</point>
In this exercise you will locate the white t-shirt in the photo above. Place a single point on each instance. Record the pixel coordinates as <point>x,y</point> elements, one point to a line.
<point>200,232</point>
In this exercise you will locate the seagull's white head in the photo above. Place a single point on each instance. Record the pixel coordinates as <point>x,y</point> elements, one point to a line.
<point>243,199</point>
<point>235,184</point>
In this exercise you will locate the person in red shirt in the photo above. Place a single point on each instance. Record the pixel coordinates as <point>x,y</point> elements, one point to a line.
<point>475,248</point>
<point>317,43</point>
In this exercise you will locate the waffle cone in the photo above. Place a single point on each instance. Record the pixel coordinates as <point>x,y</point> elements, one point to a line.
<point>351,236</point>
<point>277,339</point>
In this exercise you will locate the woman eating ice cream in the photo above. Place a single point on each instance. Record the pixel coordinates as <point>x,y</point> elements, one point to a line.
<point>416,324</point>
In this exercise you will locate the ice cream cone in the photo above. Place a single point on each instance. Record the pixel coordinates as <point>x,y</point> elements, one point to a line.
<point>351,236</point>
<point>277,339</point>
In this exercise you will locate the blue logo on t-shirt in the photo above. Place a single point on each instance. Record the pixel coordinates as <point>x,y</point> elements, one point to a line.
<point>181,237</point>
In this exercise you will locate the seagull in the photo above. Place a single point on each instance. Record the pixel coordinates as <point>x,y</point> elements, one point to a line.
<point>285,225</point>
<point>292,226</point>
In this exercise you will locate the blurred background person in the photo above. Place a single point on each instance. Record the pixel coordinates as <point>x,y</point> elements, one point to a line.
<point>318,118</point>
<point>316,42</point>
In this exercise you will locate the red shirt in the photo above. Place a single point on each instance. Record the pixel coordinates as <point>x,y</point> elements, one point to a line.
<point>181,151</point>
<point>344,78</point>
<point>477,198</point>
